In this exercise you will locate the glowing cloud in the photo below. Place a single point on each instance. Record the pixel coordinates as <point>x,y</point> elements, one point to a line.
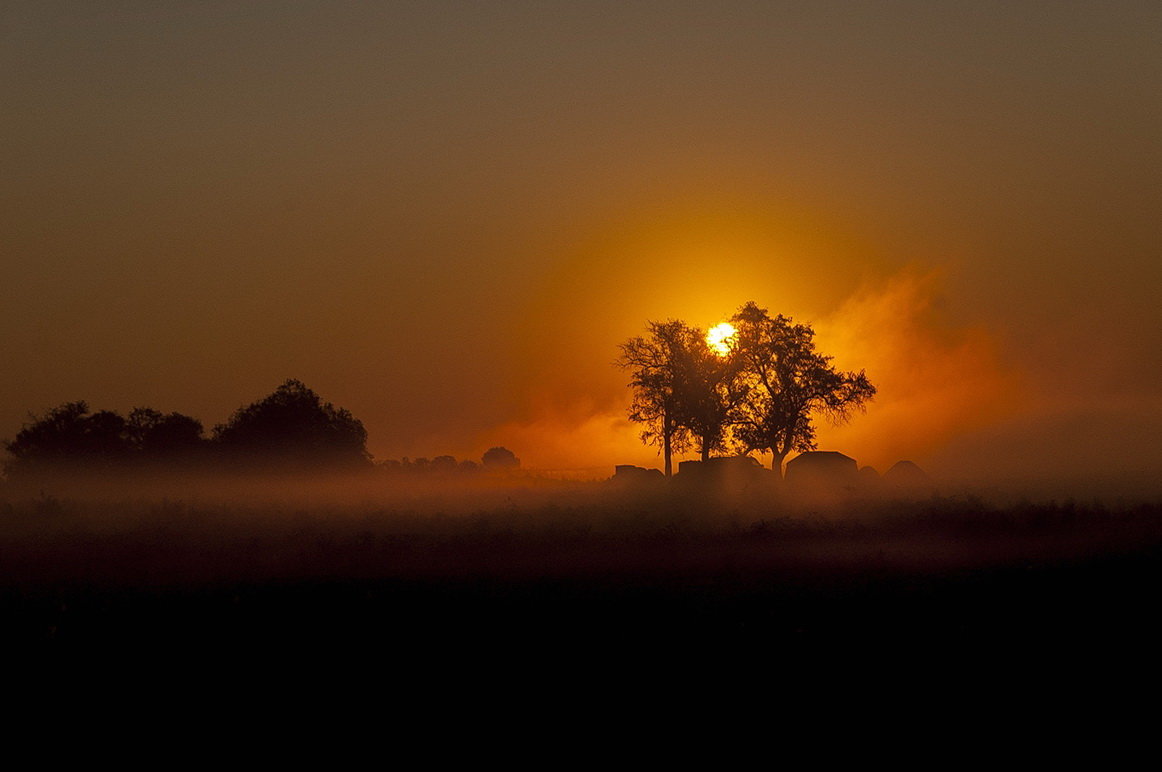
<point>936,378</point>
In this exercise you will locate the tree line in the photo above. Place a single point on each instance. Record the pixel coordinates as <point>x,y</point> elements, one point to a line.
<point>291,430</point>
<point>757,391</point>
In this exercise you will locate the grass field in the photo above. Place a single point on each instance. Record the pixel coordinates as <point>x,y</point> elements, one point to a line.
<point>574,564</point>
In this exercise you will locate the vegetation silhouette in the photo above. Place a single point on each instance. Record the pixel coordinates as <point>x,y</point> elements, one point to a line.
<point>682,392</point>
<point>70,438</point>
<point>291,432</point>
<point>440,466</point>
<point>294,429</point>
<point>652,360</point>
<point>759,394</point>
<point>709,390</point>
<point>164,436</point>
<point>788,382</point>
<point>500,458</point>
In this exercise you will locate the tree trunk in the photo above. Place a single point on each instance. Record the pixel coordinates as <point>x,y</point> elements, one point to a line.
<point>780,451</point>
<point>667,454</point>
<point>705,450</point>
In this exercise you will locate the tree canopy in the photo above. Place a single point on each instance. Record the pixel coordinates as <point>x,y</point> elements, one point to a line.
<point>760,393</point>
<point>682,391</point>
<point>499,457</point>
<point>653,361</point>
<point>294,427</point>
<point>71,437</point>
<point>788,382</point>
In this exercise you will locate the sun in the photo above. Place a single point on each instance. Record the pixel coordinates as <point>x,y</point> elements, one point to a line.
<point>721,338</point>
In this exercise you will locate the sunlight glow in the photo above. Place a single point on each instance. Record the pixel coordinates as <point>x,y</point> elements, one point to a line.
<point>721,338</point>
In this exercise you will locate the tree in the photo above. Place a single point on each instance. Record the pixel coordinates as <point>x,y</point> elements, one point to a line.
<point>157,435</point>
<point>499,458</point>
<point>654,362</point>
<point>682,391</point>
<point>708,391</point>
<point>788,382</point>
<point>69,435</point>
<point>70,439</point>
<point>293,427</point>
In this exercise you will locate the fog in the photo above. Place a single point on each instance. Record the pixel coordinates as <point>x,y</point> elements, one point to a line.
<point>429,560</point>
<point>446,220</point>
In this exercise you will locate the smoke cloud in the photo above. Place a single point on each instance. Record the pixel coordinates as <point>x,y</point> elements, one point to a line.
<point>936,379</point>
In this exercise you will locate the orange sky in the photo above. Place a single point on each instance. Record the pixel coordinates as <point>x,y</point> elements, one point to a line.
<point>446,217</point>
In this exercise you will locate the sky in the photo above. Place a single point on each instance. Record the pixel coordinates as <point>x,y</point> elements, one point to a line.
<point>445,216</point>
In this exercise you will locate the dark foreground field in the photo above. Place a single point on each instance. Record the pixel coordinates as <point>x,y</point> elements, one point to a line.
<point>629,574</point>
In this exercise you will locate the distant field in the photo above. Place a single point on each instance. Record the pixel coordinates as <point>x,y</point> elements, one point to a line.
<point>574,566</point>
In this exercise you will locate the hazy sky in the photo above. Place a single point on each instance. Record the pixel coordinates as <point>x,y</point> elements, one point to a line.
<point>445,216</point>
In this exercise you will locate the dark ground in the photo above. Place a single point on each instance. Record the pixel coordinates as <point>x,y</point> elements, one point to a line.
<point>632,578</point>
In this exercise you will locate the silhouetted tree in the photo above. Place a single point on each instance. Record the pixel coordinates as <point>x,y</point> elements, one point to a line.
<point>293,427</point>
<point>683,392</point>
<point>788,382</point>
<point>707,391</point>
<point>162,436</point>
<point>440,466</point>
<point>444,464</point>
<point>71,439</point>
<point>654,361</point>
<point>69,435</point>
<point>499,458</point>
